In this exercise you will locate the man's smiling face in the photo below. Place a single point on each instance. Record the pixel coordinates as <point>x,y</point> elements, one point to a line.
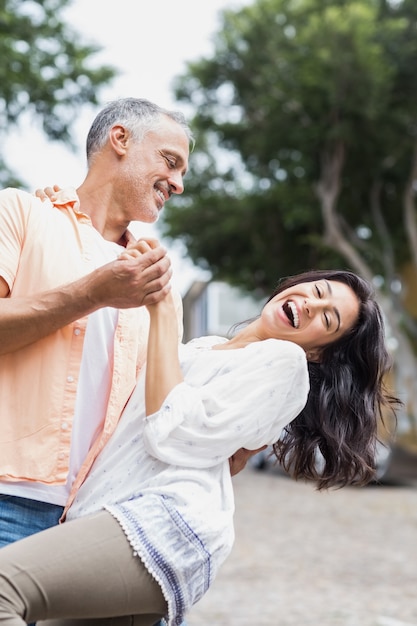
<point>153,169</point>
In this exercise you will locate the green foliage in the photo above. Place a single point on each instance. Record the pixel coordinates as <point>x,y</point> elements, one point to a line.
<point>46,70</point>
<point>289,82</point>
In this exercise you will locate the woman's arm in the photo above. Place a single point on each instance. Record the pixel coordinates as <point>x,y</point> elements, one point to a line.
<point>163,370</point>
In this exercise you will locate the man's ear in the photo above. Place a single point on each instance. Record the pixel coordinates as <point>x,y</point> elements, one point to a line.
<point>314,355</point>
<point>118,138</point>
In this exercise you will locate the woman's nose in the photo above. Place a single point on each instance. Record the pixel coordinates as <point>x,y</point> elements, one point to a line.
<point>307,306</point>
<point>311,306</point>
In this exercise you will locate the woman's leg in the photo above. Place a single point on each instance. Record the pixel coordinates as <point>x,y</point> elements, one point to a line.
<point>82,570</point>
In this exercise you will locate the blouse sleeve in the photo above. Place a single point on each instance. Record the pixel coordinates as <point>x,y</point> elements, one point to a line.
<point>245,404</point>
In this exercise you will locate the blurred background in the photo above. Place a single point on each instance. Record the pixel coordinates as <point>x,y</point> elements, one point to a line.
<point>305,117</point>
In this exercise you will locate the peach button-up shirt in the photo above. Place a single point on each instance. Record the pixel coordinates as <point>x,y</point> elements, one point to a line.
<point>41,247</point>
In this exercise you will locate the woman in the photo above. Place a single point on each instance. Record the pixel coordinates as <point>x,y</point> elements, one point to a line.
<point>154,519</point>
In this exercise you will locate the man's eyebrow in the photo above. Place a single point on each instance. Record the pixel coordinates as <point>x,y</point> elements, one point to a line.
<point>336,310</point>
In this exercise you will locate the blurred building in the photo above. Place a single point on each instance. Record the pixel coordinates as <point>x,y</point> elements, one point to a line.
<point>212,308</point>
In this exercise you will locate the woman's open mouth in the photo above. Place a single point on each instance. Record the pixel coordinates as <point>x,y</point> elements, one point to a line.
<point>291,312</point>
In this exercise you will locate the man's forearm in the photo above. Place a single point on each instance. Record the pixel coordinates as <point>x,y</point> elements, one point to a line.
<point>119,284</point>
<point>24,321</point>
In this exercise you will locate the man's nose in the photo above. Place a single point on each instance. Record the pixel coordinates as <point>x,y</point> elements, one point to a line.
<point>176,183</point>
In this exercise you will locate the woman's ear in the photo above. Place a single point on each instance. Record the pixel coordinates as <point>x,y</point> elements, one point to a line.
<point>313,355</point>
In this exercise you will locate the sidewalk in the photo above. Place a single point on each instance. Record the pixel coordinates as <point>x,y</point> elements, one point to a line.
<point>304,558</point>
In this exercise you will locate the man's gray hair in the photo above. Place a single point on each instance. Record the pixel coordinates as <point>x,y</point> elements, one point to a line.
<point>138,115</point>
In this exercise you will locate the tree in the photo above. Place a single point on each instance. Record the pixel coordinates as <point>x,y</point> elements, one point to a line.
<point>306,154</point>
<point>45,70</point>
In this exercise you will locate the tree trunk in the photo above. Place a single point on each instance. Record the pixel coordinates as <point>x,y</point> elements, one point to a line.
<point>405,362</point>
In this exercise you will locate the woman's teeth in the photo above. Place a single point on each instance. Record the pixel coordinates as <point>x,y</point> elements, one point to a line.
<point>292,313</point>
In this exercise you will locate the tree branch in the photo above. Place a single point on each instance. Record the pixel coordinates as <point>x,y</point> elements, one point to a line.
<point>328,189</point>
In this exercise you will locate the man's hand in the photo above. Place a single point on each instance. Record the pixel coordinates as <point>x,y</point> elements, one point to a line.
<point>134,279</point>
<point>238,461</point>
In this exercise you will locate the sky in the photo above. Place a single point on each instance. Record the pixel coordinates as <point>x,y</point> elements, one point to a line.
<point>149,41</point>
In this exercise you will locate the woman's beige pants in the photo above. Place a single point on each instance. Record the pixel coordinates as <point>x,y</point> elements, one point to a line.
<point>82,573</point>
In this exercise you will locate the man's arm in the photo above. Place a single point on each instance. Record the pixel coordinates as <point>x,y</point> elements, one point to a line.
<point>238,461</point>
<point>123,283</point>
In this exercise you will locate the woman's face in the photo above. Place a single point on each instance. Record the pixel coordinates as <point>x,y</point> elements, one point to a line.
<point>311,314</point>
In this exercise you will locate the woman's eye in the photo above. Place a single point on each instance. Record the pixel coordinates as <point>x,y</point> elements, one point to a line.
<point>319,291</point>
<point>327,320</point>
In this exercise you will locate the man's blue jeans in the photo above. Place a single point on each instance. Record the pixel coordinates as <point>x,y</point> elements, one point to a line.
<point>21,517</point>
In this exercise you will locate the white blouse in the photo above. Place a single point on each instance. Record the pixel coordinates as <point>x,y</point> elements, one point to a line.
<point>166,477</point>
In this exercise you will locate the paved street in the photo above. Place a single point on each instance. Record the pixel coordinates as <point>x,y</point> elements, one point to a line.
<point>303,558</point>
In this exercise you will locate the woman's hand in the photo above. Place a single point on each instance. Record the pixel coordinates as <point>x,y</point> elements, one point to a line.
<point>135,250</point>
<point>48,193</point>
<point>137,247</point>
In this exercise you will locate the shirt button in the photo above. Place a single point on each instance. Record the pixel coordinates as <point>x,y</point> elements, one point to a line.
<point>70,379</point>
<point>64,426</point>
<point>77,331</point>
<point>61,455</point>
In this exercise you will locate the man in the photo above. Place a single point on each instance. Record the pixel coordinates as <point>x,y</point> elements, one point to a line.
<point>73,327</point>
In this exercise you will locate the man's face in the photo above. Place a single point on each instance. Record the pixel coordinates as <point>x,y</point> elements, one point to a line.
<point>152,170</point>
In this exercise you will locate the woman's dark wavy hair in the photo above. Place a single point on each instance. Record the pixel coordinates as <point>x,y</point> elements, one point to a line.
<point>333,440</point>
